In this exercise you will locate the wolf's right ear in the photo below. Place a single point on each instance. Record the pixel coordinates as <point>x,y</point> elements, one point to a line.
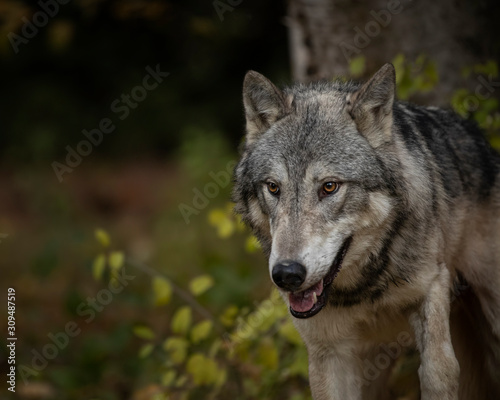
<point>264,104</point>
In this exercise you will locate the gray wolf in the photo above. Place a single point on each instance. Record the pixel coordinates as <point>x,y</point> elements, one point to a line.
<point>373,212</point>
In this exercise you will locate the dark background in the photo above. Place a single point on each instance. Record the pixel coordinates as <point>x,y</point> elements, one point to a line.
<point>66,77</point>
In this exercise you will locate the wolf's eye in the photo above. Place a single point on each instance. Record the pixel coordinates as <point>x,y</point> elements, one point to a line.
<point>329,188</point>
<point>273,188</point>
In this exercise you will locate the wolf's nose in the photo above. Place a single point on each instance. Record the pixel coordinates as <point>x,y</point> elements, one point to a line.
<point>289,276</point>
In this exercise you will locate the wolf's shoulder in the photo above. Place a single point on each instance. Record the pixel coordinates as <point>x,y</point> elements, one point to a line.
<point>436,124</point>
<point>457,146</point>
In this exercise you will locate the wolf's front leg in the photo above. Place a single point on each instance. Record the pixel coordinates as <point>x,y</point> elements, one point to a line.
<point>334,375</point>
<point>439,369</point>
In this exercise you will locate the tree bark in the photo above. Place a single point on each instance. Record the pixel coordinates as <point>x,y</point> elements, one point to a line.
<point>325,34</point>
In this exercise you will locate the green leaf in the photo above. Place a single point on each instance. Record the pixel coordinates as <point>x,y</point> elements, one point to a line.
<point>431,75</point>
<point>176,348</point>
<point>181,321</point>
<point>398,63</point>
<point>489,68</point>
<point>146,350</point>
<point>98,266</point>
<point>162,291</point>
<point>458,102</point>
<point>116,260</point>
<point>143,332</point>
<point>495,142</point>
<point>102,237</point>
<point>201,331</point>
<point>201,284</point>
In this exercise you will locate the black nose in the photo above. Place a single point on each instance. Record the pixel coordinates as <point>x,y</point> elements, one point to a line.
<point>289,276</point>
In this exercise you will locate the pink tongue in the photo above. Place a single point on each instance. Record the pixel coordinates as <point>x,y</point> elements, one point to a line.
<point>304,301</point>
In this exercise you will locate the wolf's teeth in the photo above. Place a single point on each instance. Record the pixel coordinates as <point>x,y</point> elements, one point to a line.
<point>315,297</point>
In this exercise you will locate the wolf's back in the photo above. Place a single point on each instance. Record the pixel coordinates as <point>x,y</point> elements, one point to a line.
<point>456,148</point>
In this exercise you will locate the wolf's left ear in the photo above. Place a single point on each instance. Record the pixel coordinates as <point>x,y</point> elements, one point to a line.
<point>264,104</point>
<point>371,106</point>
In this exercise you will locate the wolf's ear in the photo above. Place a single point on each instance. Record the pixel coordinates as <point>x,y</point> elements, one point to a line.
<point>371,106</point>
<point>264,104</point>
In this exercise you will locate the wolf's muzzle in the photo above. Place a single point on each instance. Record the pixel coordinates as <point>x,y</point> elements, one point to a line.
<point>289,275</point>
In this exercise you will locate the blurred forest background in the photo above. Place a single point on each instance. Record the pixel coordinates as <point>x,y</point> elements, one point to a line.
<point>145,208</point>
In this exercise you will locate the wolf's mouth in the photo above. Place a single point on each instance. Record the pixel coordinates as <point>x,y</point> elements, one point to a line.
<point>311,301</point>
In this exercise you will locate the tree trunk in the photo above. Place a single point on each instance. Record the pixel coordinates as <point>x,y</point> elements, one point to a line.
<point>325,34</point>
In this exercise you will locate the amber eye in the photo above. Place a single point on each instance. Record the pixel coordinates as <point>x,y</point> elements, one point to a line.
<point>330,187</point>
<point>273,188</point>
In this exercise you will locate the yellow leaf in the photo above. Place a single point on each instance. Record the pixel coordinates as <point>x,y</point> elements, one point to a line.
<point>216,216</point>
<point>116,260</point>
<point>252,244</point>
<point>146,350</point>
<point>229,316</point>
<point>201,331</point>
<point>168,378</point>
<point>181,321</point>
<point>288,331</point>
<point>357,66</point>
<point>240,225</point>
<point>176,348</point>
<point>398,63</point>
<point>143,332</point>
<point>221,219</point>
<point>201,284</point>
<point>98,266</point>
<point>214,348</point>
<point>162,290</point>
<point>102,237</point>
<point>203,370</point>
<point>226,228</point>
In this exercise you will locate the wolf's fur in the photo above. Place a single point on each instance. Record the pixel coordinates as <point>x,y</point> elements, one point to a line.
<point>420,197</point>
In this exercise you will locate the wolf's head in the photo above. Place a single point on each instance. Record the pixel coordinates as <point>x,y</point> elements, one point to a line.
<point>311,183</point>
